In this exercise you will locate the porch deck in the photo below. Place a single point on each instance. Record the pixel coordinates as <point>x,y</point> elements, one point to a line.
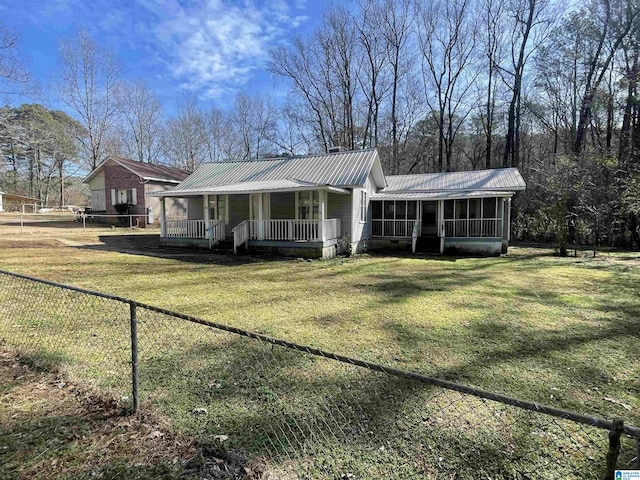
<point>283,233</point>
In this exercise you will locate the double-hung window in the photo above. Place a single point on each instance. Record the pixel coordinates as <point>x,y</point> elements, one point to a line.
<point>218,207</point>
<point>363,206</point>
<point>308,205</point>
<point>127,196</point>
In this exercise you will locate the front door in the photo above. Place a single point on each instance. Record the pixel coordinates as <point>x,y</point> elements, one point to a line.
<point>259,229</point>
<point>429,219</point>
<point>254,210</point>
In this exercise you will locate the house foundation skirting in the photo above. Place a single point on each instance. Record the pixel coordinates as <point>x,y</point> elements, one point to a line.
<point>474,246</point>
<point>327,249</point>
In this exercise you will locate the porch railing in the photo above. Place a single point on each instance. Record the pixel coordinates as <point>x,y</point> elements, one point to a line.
<point>240,235</point>
<point>393,228</point>
<point>473,227</point>
<point>194,229</point>
<point>216,231</point>
<point>294,230</point>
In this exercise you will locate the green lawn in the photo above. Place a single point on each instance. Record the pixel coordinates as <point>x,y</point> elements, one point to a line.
<point>558,331</point>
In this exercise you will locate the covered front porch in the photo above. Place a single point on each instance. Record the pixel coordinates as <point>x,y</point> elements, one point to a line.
<point>293,220</point>
<point>475,222</point>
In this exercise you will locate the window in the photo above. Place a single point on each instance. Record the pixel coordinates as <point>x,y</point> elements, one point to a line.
<point>308,205</point>
<point>218,207</point>
<point>127,196</point>
<point>363,206</point>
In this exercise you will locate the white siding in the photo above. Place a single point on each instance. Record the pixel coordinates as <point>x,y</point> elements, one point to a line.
<point>283,205</point>
<point>175,207</point>
<point>339,206</point>
<point>98,200</point>
<point>238,211</point>
<point>97,182</point>
<point>361,232</point>
<point>195,209</point>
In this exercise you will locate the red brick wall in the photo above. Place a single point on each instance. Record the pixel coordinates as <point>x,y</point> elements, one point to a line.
<point>122,179</point>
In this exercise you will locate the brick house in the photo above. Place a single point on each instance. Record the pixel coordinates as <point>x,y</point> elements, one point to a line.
<point>123,181</point>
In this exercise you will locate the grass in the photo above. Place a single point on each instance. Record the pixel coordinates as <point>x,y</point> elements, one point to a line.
<point>558,331</point>
<point>52,429</point>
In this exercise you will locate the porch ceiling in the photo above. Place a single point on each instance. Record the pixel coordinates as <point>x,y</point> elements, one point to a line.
<point>444,195</point>
<point>289,185</point>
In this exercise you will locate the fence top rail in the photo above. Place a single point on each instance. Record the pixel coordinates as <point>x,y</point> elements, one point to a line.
<point>477,392</point>
<point>91,215</point>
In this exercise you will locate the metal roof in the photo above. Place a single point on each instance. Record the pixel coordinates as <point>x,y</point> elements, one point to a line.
<point>250,187</point>
<point>497,179</point>
<point>343,169</point>
<point>442,195</point>
<point>17,197</point>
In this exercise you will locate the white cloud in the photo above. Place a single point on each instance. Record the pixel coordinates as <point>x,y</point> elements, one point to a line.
<point>213,46</point>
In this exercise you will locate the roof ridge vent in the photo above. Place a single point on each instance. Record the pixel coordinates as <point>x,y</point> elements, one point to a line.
<point>334,149</point>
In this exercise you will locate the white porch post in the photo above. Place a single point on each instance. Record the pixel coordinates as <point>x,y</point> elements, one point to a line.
<point>508,219</point>
<point>441,224</point>
<point>205,207</point>
<point>322,197</point>
<point>163,218</point>
<point>205,214</point>
<point>260,216</point>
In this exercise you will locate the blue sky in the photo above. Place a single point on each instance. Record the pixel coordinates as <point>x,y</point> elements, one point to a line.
<point>211,47</point>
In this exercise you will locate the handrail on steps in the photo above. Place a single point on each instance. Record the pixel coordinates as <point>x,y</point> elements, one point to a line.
<point>240,235</point>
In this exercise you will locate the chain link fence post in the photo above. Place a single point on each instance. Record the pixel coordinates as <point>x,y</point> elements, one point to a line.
<point>134,355</point>
<point>614,448</point>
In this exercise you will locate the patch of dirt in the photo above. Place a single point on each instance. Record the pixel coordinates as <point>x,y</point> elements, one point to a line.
<point>50,428</point>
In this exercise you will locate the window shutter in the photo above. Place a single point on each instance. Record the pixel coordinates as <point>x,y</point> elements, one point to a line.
<point>134,197</point>
<point>113,196</point>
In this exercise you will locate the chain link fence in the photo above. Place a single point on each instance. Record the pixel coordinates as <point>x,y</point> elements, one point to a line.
<point>302,412</point>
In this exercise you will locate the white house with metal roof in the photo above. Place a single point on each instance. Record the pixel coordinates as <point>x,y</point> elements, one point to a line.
<point>317,205</point>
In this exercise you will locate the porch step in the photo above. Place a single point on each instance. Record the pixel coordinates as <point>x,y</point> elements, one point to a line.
<point>223,246</point>
<point>428,245</point>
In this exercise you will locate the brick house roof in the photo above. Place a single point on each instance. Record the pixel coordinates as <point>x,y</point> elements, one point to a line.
<point>146,171</point>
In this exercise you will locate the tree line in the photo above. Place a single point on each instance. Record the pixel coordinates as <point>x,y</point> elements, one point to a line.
<point>435,86</point>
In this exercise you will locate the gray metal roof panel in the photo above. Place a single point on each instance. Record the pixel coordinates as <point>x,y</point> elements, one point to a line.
<point>496,179</point>
<point>339,169</point>
<point>441,195</point>
<point>248,187</point>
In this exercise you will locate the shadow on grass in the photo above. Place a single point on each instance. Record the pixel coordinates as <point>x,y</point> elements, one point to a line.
<point>328,418</point>
<point>148,245</point>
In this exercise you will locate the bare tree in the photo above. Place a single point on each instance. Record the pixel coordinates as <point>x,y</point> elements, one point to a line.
<point>447,34</point>
<point>615,25</point>
<point>89,84</point>
<point>14,77</point>
<point>142,115</point>
<point>372,77</point>
<point>628,134</point>
<point>324,71</point>
<point>184,142</point>
<point>254,123</point>
<point>221,140</point>
<point>527,18</point>
<point>397,20</point>
<point>492,41</point>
